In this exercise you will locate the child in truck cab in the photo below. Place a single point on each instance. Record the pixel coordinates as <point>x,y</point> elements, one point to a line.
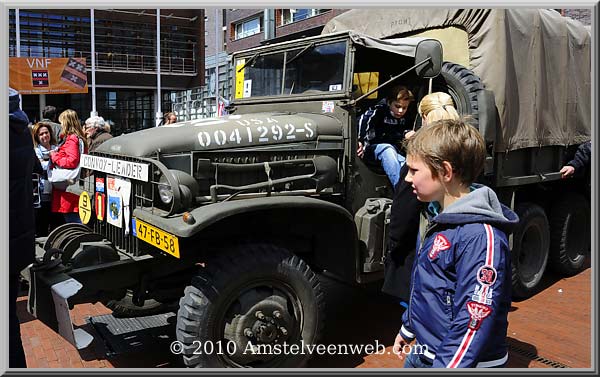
<point>460,292</point>
<point>382,129</point>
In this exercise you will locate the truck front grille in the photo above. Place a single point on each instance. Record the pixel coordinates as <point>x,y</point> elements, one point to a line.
<point>142,196</point>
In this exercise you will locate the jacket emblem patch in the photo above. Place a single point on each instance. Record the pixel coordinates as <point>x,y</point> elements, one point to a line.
<point>440,243</point>
<point>487,275</point>
<point>478,312</point>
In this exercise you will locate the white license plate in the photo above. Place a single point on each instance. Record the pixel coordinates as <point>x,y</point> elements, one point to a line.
<point>127,169</point>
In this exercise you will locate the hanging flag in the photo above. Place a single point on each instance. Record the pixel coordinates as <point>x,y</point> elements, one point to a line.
<point>100,200</point>
<point>221,104</point>
<point>115,204</point>
<point>124,188</point>
<point>220,109</point>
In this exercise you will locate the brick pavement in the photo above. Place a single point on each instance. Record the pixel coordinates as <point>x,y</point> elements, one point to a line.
<point>554,325</point>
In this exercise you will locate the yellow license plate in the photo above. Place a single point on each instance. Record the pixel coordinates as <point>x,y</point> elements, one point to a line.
<point>157,237</point>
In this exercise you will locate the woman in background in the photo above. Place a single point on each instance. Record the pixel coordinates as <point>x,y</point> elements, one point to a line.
<point>67,156</point>
<point>44,142</point>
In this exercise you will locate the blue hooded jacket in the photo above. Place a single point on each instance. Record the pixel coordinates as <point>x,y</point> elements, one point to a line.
<point>461,283</point>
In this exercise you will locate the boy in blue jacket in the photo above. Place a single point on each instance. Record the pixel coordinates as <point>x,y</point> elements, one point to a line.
<point>460,289</point>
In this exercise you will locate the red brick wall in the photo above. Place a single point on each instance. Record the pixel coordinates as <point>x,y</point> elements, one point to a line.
<point>241,44</point>
<point>256,39</point>
<point>308,23</point>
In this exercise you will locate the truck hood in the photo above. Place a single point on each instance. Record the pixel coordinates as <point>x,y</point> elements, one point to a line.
<point>231,131</point>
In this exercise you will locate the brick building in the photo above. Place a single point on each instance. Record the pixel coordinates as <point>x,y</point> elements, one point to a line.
<point>252,27</point>
<point>582,15</point>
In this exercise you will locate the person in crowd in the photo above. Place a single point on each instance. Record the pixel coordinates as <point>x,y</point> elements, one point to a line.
<point>461,287</point>
<point>404,217</point>
<point>49,116</point>
<point>108,124</point>
<point>67,156</point>
<point>170,118</point>
<point>580,162</point>
<point>95,129</point>
<point>382,129</point>
<point>21,222</point>
<point>43,143</point>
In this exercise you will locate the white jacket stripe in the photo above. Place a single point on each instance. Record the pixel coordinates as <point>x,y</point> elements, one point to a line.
<point>468,338</point>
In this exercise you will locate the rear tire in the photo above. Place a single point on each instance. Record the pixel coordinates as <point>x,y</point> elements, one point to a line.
<point>531,243</point>
<point>570,232</point>
<point>261,294</point>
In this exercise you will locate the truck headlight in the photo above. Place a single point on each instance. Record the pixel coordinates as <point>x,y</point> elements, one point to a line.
<point>166,193</point>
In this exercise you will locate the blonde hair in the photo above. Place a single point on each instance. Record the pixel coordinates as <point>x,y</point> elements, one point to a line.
<point>166,118</point>
<point>71,125</point>
<point>453,141</point>
<point>437,106</point>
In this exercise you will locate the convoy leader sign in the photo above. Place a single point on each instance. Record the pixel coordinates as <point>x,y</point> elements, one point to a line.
<point>127,169</point>
<point>48,75</point>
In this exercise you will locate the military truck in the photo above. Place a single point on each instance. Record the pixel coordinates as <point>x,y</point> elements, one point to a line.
<point>230,221</point>
<point>528,87</point>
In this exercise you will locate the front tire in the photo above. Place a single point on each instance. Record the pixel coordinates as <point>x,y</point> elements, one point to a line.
<point>258,294</point>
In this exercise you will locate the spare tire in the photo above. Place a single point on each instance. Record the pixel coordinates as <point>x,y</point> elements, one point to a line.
<point>462,85</point>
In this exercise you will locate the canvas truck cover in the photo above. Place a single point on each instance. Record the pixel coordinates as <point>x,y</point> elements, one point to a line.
<point>401,46</point>
<point>535,61</point>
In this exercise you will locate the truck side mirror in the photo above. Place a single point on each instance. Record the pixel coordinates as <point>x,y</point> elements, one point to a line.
<point>432,49</point>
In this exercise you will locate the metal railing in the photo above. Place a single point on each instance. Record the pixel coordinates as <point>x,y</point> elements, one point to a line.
<point>139,63</point>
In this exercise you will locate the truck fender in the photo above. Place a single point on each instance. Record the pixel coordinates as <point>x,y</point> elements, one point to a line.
<point>327,227</point>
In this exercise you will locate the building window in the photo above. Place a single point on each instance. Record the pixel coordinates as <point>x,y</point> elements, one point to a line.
<point>247,28</point>
<point>289,16</point>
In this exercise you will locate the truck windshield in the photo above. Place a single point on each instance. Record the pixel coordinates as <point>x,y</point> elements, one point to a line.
<point>315,68</point>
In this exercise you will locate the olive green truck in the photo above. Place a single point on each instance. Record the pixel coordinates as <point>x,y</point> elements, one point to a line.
<point>230,221</point>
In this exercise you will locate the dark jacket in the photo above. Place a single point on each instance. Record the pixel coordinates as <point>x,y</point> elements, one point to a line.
<point>99,137</point>
<point>581,160</point>
<point>404,228</point>
<point>21,162</point>
<point>378,126</point>
<point>461,284</point>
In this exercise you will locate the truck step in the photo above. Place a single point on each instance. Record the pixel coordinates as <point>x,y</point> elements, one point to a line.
<point>125,335</point>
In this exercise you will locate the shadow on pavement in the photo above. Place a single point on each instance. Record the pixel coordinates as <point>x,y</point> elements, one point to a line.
<point>520,354</point>
<point>550,278</point>
<point>357,316</point>
<point>22,312</point>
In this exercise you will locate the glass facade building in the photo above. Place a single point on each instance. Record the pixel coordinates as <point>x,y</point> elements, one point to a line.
<point>125,58</point>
